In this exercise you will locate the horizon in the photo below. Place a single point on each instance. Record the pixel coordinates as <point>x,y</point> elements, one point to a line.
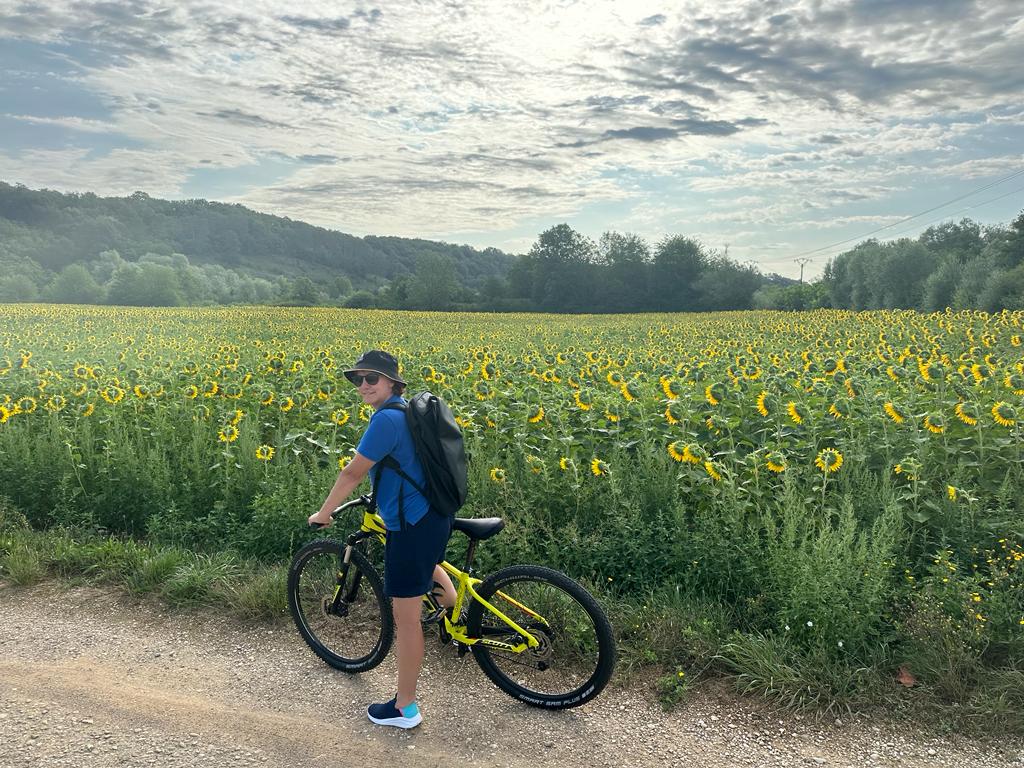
<point>770,129</point>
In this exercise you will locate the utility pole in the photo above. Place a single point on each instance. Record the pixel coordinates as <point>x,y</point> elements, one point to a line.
<point>801,262</point>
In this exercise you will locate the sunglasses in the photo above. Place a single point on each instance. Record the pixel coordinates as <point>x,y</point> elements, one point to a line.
<point>358,378</point>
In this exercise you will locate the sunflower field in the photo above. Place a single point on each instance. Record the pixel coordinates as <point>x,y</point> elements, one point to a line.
<point>804,491</point>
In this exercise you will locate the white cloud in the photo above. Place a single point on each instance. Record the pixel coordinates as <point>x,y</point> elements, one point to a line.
<point>432,118</point>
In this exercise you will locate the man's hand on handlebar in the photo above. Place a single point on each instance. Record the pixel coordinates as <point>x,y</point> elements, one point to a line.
<point>320,519</point>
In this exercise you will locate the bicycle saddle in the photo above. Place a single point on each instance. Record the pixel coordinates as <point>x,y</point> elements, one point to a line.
<point>479,528</point>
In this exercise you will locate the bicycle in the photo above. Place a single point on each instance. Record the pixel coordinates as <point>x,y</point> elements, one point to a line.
<point>552,647</point>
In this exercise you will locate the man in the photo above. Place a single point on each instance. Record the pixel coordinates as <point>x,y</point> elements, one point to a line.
<point>417,536</point>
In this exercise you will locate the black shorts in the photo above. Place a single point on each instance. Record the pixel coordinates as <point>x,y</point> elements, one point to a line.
<point>410,555</point>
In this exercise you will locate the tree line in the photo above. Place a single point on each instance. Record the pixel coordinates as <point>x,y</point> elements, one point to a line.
<point>147,252</point>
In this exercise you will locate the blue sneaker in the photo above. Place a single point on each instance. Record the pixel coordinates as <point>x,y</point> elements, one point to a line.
<point>388,714</point>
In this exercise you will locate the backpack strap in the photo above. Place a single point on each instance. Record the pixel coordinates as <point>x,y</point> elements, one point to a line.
<point>390,462</point>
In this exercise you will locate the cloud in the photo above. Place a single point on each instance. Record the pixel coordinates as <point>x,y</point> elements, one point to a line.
<point>432,115</point>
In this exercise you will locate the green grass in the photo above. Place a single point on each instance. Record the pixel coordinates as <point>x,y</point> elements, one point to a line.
<point>659,637</point>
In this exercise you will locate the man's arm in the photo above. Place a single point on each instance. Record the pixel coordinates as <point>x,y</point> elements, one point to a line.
<point>348,480</point>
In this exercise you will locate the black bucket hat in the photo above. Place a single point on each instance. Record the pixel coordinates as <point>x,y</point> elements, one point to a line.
<point>377,360</point>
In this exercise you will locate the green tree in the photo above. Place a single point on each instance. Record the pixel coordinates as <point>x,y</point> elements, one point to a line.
<point>74,285</point>
<point>678,264</point>
<point>563,270</point>
<point>17,288</point>
<point>144,285</point>
<point>435,285</point>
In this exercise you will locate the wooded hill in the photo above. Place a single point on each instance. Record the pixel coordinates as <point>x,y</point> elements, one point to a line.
<point>42,232</point>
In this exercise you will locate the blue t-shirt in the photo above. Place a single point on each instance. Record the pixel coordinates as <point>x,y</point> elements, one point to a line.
<point>388,434</point>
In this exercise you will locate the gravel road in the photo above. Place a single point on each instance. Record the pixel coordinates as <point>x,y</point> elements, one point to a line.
<point>93,678</point>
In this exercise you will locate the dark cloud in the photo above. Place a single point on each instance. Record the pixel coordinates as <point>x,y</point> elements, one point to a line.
<point>339,24</point>
<point>648,134</point>
<point>653,21</point>
<point>244,118</point>
<point>827,138</point>
<point>320,159</point>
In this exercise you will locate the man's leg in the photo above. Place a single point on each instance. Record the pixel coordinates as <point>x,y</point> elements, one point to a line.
<point>409,639</point>
<point>444,590</point>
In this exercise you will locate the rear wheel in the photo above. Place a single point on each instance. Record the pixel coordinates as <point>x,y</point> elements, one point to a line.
<point>576,654</point>
<point>340,610</point>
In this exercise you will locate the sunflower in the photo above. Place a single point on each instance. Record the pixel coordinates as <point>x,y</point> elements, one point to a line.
<point>668,385</point>
<point>265,452</point>
<point>614,378</point>
<point>776,462</point>
<point>612,417</point>
<point>839,409</point>
<point>1015,383</point>
<point>674,452</point>
<point>287,404</point>
<point>237,417</point>
<point>210,388</point>
<point>482,390</point>
<point>797,413</point>
<point>951,492</point>
<point>674,412</point>
<point>1004,414</point>
<point>112,394</point>
<point>343,461</point>
<point>712,471</point>
<point>762,406</point>
<point>191,391</point>
<point>488,371</point>
<point>228,434</point>
<point>266,397</point>
<point>582,399</point>
<point>340,417</point>
<point>967,413</point>
<point>630,390</point>
<point>498,474</point>
<point>55,403</point>
<point>82,371</point>
<point>908,468</point>
<point>693,453</point>
<point>565,463</point>
<point>829,460</point>
<point>80,389</point>
<point>233,391</point>
<point>714,394</point>
<point>536,414</point>
<point>598,467</point>
<point>5,414</point>
<point>535,463</point>
<point>894,413</point>
<point>934,423</point>
<point>86,410</point>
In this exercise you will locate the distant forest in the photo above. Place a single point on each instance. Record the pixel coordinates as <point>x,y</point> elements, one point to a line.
<point>137,250</point>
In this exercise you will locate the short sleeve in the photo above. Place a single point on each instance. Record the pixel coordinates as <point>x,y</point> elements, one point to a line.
<point>379,439</point>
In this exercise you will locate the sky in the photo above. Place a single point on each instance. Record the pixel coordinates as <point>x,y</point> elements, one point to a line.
<point>772,130</point>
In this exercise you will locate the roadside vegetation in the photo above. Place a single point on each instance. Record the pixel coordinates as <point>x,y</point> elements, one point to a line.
<point>823,507</point>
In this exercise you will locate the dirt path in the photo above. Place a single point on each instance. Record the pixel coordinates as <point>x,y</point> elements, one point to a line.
<point>90,678</point>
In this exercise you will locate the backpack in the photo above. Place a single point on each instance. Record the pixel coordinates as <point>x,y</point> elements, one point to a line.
<point>437,441</point>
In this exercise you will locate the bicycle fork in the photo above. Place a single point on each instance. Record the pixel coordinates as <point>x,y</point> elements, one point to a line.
<point>338,603</point>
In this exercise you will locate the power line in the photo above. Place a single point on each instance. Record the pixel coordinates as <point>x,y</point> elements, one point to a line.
<point>961,210</point>
<point>1013,175</point>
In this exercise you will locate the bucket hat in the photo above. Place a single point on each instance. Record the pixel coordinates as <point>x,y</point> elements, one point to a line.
<point>376,360</point>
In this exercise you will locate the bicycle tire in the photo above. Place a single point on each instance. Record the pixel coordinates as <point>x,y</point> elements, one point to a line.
<point>577,654</point>
<point>356,640</point>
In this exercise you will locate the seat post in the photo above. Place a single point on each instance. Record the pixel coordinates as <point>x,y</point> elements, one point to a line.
<point>470,552</point>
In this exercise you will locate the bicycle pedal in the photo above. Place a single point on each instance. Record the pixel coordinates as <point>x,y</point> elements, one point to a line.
<point>433,617</point>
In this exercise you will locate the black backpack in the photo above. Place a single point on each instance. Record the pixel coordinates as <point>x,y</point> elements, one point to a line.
<point>437,440</point>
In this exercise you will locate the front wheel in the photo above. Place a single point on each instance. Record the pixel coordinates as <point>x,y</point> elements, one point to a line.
<point>576,655</point>
<point>340,610</point>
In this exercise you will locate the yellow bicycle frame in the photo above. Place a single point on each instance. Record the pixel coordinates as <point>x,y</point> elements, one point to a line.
<point>465,591</point>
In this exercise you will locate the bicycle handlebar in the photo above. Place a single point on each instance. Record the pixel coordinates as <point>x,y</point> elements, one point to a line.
<point>360,501</point>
